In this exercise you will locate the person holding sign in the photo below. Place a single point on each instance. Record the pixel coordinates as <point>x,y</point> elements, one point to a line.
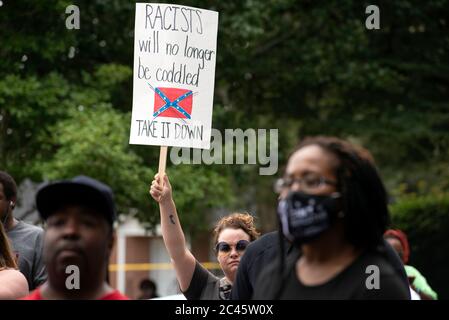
<point>232,234</point>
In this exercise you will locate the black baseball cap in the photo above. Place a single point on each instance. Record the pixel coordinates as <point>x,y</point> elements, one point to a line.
<point>81,190</point>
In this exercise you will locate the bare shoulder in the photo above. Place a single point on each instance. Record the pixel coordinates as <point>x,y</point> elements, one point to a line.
<point>13,284</point>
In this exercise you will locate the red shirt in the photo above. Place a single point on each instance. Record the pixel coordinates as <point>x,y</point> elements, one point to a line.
<point>114,295</point>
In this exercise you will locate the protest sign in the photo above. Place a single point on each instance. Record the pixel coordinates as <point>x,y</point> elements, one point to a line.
<point>174,72</point>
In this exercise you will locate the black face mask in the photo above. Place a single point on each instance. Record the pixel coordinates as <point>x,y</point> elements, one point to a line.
<point>305,217</point>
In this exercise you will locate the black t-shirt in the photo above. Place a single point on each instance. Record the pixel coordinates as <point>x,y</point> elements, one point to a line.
<point>205,286</point>
<point>352,283</point>
<point>265,251</point>
<point>257,257</point>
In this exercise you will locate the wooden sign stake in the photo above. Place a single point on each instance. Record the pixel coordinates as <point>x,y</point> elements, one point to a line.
<point>162,160</point>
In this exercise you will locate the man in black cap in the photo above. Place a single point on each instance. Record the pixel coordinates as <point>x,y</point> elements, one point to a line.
<point>78,240</point>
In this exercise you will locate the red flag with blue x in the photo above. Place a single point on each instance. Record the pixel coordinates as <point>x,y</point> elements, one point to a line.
<point>172,102</point>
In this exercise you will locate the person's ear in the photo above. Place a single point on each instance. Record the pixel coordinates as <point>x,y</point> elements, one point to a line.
<point>12,205</point>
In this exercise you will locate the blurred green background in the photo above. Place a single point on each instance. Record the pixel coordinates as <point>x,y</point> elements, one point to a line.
<point>304,67</point>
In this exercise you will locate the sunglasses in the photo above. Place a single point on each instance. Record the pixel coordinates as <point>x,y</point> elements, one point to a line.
<point>226,247</point>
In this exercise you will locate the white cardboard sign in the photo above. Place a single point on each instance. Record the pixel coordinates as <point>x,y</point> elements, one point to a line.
<point>175,49</point>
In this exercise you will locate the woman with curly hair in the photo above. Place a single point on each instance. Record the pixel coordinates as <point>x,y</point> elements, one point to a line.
<point>232,234</point>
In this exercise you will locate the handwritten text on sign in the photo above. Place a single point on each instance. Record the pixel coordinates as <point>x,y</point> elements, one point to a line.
<point>174,70</point>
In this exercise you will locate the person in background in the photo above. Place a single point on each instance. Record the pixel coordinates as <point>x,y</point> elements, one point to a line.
<point>398,240</point>
<point>26,239</point>
<point>333,209</point>
<point>13,284</point>
<point>78,240</point>
<point>148,289</point>
<point>232,234</point>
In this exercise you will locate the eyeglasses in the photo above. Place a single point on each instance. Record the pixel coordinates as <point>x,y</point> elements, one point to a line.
<point>225,247</point>
<point>309,182</point>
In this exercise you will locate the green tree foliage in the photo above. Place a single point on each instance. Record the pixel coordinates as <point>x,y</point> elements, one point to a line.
<point>101,151</point>
<point>305,67</point>
<point>27,106</point>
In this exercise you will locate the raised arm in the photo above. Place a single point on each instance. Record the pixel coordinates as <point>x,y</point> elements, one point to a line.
<point>174,240</point>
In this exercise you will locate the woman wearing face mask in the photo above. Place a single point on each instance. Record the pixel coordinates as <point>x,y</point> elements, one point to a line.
<point>232,234</point>
<point>333,208</point>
